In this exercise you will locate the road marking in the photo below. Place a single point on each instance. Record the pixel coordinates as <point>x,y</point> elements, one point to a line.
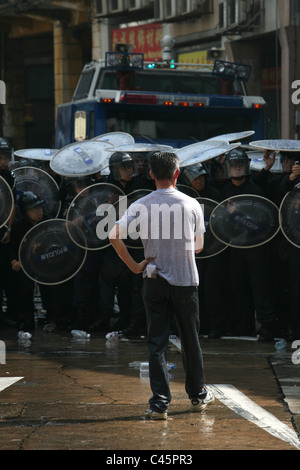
<point>242,405</point>
<point>8,381</point>
<point>176,342</point>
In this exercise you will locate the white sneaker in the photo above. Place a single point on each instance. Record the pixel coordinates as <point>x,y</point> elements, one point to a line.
<point>150,414</point>
<point>198,404</point>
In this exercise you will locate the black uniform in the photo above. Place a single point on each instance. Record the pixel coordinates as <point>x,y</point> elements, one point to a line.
<point>213,290</point>
<point>249,275</point>
<point>24,286</point>
<point>132,319</point>
<point>284,260</point>
<point>5,285</point>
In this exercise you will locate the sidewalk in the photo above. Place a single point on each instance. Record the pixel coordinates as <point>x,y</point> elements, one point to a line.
<point>288,377</point>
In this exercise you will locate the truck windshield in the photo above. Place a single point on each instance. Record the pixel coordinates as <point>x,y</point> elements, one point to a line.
<point>177,126</point>
<point>165,81</point>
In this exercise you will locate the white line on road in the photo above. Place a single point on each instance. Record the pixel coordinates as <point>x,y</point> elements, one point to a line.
<point>8,381</point>
<point>242,405</point>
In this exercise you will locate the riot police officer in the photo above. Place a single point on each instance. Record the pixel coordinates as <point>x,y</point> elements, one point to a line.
<point>5,157</point>
<point>276,185</point>
<point>121,167</point>
<point>6,152</point>
<point>31,208</point>
<point>143,179</point>
<point>69,188</point>
<point>213,314</point>
<point>249,267</point>
<point>285,257</point>
<point>132,320</point>
<point>196,177</point>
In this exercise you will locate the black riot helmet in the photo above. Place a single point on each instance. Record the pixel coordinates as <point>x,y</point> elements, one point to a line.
<point>29,200</point>
<point>121,163</point>
<point>236,164</point>
<point>192,172</point>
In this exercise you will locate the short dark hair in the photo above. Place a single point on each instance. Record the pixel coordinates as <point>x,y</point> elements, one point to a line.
<point>163,165</point>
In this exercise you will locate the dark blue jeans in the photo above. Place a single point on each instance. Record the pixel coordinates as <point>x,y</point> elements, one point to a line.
<point>163,300</point>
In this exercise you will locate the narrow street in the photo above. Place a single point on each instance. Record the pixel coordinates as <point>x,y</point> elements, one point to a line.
<point>57,393</point>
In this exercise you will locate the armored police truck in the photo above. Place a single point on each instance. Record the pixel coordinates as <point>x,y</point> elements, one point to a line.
<point>159,102</point>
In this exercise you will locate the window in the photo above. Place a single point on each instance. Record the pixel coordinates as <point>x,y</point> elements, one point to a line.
<point>84,84</point>
<point>232,11</point>
<point>184,4</point>
<point>100,6</point>
<point>133,4</point>
<point>221,15</point>
<point>115,5</point>
<point>169,82</point>
<point>170,8</point>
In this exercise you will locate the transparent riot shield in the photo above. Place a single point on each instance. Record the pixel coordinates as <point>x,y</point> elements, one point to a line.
<point>94,211</point>
<point>212,246</point>
<point>257,162</point>
<point>133,239</point>
<point>289,216</point>
<point>233,137</point>
<point>284,145</point>
<point>48,255</point>
<point>116,138</point>
<point>6,202</point>
<point>141,147</point>
<point>81,158</point>
<point>203,151</point>
<point>188,190</point>
<point>245,221</point>
<point>40,183</point>
<point>36,154</point>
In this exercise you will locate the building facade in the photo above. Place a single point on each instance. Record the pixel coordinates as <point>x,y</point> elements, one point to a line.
<point>44,45</point>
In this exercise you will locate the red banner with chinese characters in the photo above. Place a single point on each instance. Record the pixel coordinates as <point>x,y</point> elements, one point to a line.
<point>144,39</point>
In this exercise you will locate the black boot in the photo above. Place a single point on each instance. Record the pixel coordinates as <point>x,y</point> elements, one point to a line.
<point>266,333</point>
<point>103,322</point>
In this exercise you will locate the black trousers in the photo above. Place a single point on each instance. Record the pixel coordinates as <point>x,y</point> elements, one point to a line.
<point>162,301</point>
<point>249,274</point>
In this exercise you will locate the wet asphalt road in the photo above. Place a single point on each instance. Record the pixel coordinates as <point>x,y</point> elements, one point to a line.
<point>89,395</point>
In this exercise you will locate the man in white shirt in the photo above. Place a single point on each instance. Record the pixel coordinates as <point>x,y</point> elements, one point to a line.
<point>171,226</point>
